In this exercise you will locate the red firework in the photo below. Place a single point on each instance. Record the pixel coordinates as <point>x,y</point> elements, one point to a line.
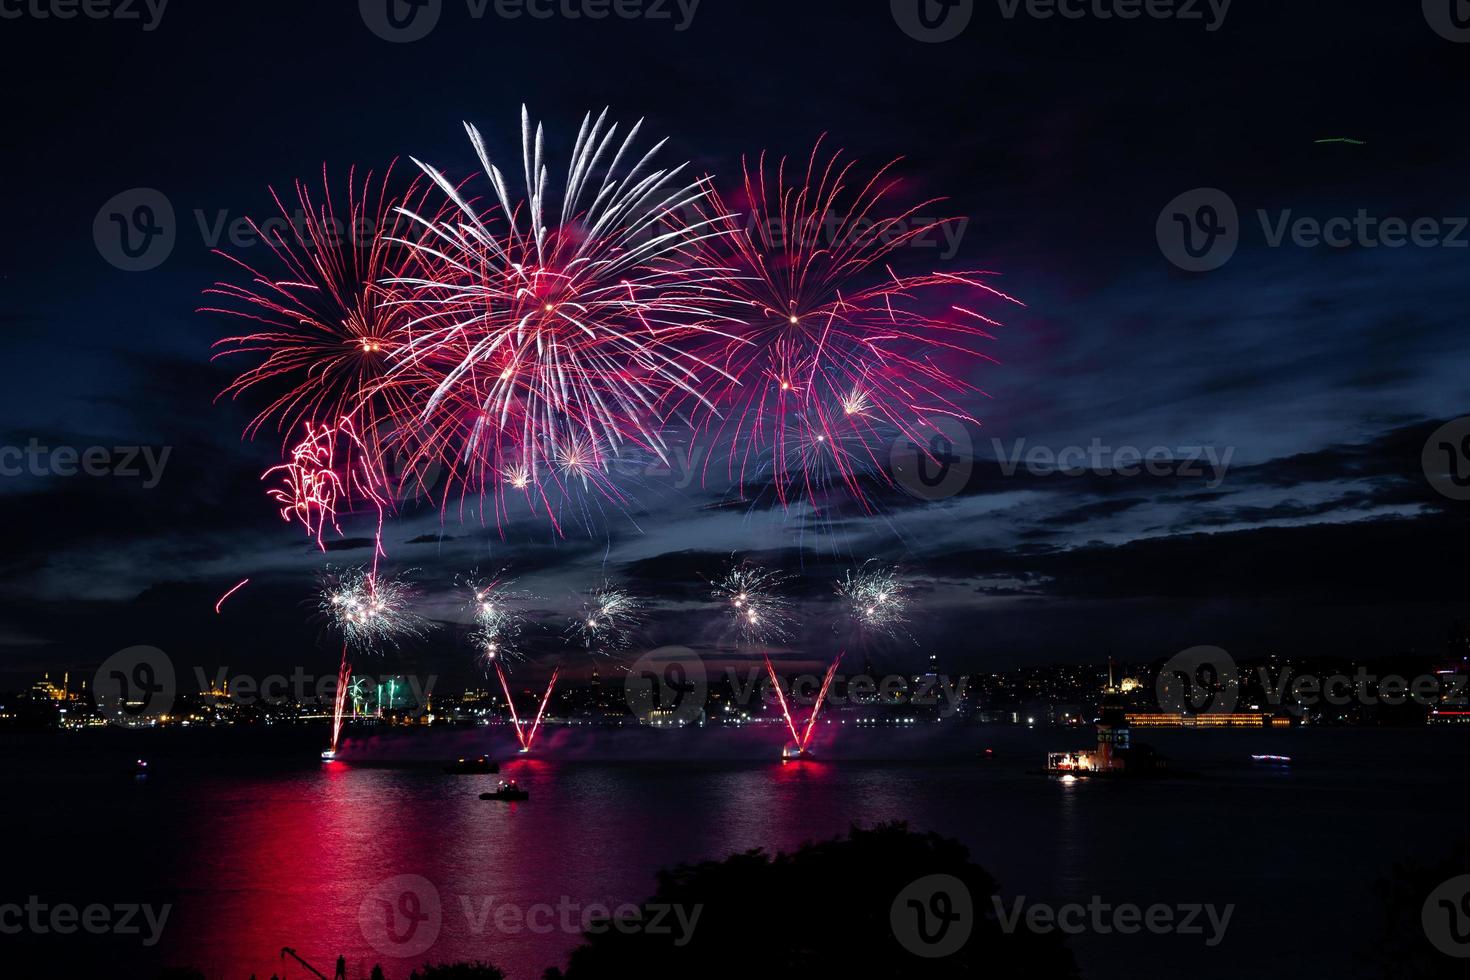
<point>319,323</point>
<point>801,741</point>
<point>840,353</point>
<point>525,737</point>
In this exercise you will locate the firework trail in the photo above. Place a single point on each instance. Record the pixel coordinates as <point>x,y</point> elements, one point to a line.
<point>552,332</point>
<point>495,608</point>
<point>752,596</point>
<point>233,589</point>
<point>318,323</point>
<point>608,618</point>
<point>802,741</point>
<point>840,350</point>
<point>876,600</point>
<point>526,738</point>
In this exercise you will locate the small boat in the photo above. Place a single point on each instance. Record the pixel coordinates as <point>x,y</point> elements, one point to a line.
<point>510,792</point>
<point>791,752</point>
<point>140,767</point>
<point>329,755</point>
<point>1272,760</point>
<point>480,766</point>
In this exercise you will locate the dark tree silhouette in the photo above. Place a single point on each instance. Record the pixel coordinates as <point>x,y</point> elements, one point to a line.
<point>821,911</point>
<point>1403,951</point>
<point>458,971</point>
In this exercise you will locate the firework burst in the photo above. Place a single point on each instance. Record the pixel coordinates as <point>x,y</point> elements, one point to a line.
<point>607,620</point>
<point>496,609</point>
<point>876,600</point>
<point>839,349</point>
<point>328,470</point>
<point>551,332</point>
<point>752,597</point>
<point>371,611</point>
<point>318,320</point>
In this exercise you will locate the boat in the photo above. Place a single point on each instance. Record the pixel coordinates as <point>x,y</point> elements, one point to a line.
<point>1272,760</point>
<point>329,755</point>
<point>480,766</point>
<point>792,752</point>
<point>140,767</point>
<point>510,792</point>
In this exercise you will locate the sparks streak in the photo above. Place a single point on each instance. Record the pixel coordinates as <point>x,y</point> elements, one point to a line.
<point>233,590</point>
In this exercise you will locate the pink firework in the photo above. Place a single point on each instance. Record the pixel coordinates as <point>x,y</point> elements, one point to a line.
<point>840,352</point>
<point>553,326</point>
<point>328,471</point>
<point>318,327</point>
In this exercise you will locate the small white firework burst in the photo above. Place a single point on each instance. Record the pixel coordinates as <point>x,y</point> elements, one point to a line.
<point>877,599</point>
<point>752,597</point>
<point>372,611</point>
<point>608,617</point>
<point>496,608</point>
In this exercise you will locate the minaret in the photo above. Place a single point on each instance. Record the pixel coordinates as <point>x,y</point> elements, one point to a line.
<point>1112,726</point>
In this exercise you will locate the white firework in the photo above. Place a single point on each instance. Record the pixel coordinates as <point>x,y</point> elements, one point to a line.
<point>372,611</point>
<point>752,597</point>
<point>552,336</point>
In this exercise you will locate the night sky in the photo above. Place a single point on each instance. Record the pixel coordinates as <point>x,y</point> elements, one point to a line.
<point>1321,371</point>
